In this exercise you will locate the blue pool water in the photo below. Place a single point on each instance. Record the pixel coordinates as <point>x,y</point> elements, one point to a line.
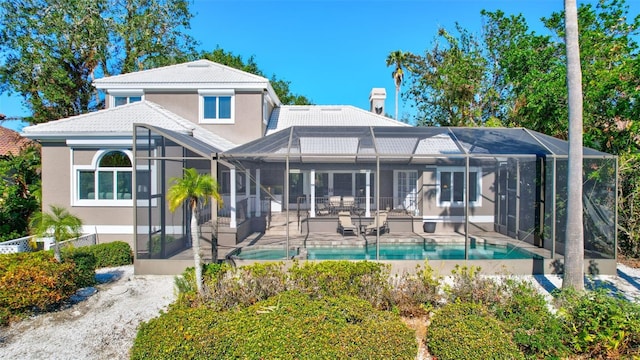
<point>413,251</point>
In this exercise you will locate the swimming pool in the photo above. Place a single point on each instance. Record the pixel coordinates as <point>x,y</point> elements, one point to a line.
<point>410,251</point>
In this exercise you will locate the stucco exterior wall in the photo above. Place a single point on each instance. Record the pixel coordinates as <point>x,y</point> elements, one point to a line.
<point>247,126</point>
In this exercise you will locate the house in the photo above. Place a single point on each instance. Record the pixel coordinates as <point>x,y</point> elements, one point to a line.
<point>302,165</point>
<point>11,143</point>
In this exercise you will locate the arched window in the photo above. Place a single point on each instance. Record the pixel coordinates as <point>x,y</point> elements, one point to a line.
<point>111,179</point>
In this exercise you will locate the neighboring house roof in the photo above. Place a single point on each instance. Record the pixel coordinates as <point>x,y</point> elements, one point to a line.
<point>325,115</point>
<point>12,143</point>
<point>194,75</point>
<point>119,120</point>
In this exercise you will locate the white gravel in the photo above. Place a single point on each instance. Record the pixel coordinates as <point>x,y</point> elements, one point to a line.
<point>104,325</point>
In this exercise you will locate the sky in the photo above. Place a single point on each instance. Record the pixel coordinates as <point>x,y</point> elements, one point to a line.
<point>334,51</point>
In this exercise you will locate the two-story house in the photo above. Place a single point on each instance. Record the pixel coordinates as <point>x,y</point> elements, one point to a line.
<point>114,166</point>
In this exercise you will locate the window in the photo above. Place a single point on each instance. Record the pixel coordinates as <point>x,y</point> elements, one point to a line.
<point>216,107</point>
<point>451,187</point>
<point>108,181</point>
<point>123,97</point>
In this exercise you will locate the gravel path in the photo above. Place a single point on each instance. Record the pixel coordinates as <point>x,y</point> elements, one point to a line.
<point>103,325</point>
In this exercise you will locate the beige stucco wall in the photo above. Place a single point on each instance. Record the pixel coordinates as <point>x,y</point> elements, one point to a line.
<point>57,190</point>
<point>248,117</point>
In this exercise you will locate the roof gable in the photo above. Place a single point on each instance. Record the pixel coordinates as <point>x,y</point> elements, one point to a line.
<point>194,74</point>
<point>325,115</point>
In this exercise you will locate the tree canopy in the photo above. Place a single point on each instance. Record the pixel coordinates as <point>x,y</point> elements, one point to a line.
<point>53,50</point>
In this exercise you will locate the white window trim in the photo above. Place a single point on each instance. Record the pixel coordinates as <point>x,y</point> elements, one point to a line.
<point>216,92</point>
<point>75,199</point>
<point>452,169</point>
<point>113,94</point>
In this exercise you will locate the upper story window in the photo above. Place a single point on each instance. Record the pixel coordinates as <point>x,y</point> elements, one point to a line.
<point>123,97</point>
<point>217,106</point>
<point>451,191</point>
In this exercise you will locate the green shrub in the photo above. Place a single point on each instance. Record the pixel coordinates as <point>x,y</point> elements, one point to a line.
<point>468,331</point>
<point>537,332</point>
<point>85,265</point>
<point>117,253</point>
<point>290,325</point>
<point>35,281</point>
<point>364,279</point>
<point>599,324</point>
<point>186,282</point>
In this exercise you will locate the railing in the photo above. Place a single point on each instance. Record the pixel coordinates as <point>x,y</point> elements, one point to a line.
<point>329,205</point>
<point>84,240</point>
<point>23,244</point>
<point>16,245</point>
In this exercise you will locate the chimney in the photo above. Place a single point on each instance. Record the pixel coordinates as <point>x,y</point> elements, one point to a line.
<point>376,100</point>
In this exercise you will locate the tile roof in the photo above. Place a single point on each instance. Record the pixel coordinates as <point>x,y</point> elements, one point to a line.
<point>200,74</point>
<point>12,143</point>
<point>325,115</point>
<point>119,120</point>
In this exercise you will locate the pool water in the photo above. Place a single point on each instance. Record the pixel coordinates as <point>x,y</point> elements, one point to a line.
<point>412,251</point>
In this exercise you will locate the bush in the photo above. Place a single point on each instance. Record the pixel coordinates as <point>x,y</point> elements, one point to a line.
<point>85,265</point>
<point>537,332</point>
<point>415,294</point>
<point>290,325</point>
<point>363,279</point>
<point>469,286</point>
<point>246,285</point>
<point>469,331</point>
<point>34,282</point>
<point>117,253</point>
<point>599,324</point>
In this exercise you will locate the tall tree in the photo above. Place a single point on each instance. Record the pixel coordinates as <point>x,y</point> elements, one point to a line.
<point>399,60</point>
<point>53,50</point>
<point>193,188</point>
<point>59,223</point>
<point>574,245</point>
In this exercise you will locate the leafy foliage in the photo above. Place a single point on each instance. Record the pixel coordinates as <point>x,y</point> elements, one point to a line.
<point>59,223</point>
<point>54,49</point>
<point>287,326</point>
<point>599,324</point>
<point>33,281</point>
<point>464,330</point>
<point>19,192</point>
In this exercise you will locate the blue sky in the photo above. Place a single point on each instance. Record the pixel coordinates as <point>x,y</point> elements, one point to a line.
<point>334,51</point>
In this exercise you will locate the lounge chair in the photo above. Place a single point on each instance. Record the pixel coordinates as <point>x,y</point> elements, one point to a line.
<point>344,223</point>
<point>382,226</point>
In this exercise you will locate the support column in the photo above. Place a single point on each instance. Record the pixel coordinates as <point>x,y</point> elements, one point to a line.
<point>233,221</point>
<point>367,194</point>
<point>312,181</point>
<point>247,191</point>
<point>258,187</point>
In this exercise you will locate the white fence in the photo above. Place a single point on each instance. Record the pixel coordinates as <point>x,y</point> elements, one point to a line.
<point>22,244</point>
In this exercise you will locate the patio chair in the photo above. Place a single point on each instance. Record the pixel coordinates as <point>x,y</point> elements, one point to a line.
<point>382,226</point>
<point>348,203</point>
<point>322,209</point>
<point>334,204</point>
<point>344,223</point>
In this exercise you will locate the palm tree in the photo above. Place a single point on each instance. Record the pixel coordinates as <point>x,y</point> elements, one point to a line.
<point>59,224</point>
<point>574,245</point>
<point>193,188</point>
<point>399,59</point>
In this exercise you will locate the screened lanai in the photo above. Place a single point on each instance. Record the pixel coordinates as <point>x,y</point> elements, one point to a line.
<point>471,186</point>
